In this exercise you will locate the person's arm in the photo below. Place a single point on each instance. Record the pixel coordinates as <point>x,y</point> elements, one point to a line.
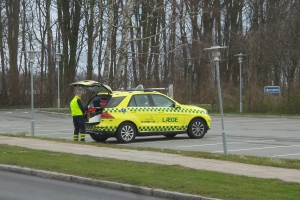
<point>80,105</point>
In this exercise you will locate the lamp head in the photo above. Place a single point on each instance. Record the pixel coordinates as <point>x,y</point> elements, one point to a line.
<point>31,54</point>
<point>58,56</point>
<point>240,57</point>
<point>216,52</point>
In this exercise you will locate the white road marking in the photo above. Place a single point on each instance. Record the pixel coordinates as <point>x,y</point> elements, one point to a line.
<point>24,128</point>
<point>221,143</point>
<point>241,120</point>
<point>71,133</point>
<point>272,122</point>
<point>259,148</point>
<point>54,130</point>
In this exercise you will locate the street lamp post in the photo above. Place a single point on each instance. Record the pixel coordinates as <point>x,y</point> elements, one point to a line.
<point>58,59</point>
<point>216,58</point>
<point>240,58</point>
<point>31,55</point>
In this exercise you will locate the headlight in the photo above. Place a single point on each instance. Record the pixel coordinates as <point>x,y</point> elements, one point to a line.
<point>205,111</point>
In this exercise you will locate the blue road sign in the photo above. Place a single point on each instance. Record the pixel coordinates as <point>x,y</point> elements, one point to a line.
<point>272,89</point>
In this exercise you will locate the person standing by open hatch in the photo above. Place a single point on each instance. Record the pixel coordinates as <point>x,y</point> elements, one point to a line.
<point>77,111</point>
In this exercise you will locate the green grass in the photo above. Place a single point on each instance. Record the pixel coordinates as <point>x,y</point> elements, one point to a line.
<point>262,161</point>
<point>172,178</point>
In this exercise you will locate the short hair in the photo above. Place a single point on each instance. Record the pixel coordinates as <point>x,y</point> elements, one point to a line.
<point>78,90</point>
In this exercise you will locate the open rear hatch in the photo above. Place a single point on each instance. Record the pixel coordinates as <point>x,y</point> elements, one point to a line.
<point>97,101</point>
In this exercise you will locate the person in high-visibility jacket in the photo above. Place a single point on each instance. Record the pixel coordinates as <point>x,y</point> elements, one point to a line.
<point>77,111</point>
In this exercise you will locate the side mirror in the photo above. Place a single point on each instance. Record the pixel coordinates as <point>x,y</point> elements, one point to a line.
<point>177,106</point>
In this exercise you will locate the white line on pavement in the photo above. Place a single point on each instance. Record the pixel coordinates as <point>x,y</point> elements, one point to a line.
<point>54,130</point>
<point>220,144</point>
<point>273,122</point>
<point>273,147</point>
<point>71,133</point>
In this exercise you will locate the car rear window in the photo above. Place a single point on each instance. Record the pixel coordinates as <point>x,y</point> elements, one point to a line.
<point>114,101</point>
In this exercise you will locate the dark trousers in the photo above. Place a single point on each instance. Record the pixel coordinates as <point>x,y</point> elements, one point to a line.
<point>79,125</point>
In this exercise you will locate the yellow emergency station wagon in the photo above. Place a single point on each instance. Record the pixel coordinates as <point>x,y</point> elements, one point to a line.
<point>140,112</point>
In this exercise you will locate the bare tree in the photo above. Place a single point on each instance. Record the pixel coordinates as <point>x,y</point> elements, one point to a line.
<point>69,16</point>
<point>3,92</point>
<point>12,13</point>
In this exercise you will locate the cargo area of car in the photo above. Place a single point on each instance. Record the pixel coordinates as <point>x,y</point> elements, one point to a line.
<point>94,108</point>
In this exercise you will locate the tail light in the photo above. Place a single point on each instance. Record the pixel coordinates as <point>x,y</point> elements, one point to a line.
<point>106,115</point>
<point>91,110</point>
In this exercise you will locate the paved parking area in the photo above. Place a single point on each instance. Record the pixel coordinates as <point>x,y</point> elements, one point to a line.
<point>259,136</point>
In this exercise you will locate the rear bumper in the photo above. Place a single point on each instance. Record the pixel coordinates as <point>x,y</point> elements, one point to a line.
<point>100,133</point>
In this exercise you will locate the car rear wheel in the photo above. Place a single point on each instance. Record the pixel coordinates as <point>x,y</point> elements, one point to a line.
<point>126,132</point>
<point>197,128</point>
<point>98,138</point>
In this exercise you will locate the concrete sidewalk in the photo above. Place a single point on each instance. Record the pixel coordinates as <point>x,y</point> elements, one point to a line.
<point>289,175</point>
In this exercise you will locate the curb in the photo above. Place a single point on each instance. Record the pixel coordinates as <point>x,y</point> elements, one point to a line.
<point>105,184</point>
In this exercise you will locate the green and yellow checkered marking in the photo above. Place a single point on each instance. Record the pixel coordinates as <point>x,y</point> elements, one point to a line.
<point>161,128</point>
<point>153,109</point>
<point>105,129</point>
<point>145,110</point>
<point>141,128</point>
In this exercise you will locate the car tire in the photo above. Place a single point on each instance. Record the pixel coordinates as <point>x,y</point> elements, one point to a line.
<point>98,138</point>
<point>171,135</point>
<point>197,128</point>
<point>126,132</point>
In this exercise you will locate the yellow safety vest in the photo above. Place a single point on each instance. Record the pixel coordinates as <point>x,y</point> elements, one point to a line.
<point>75,109</point>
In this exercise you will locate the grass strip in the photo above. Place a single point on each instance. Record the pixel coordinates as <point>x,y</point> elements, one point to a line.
<point>172,178</point>
<point>255,160</point>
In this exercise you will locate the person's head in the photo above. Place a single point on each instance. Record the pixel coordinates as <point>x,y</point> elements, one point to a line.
<point>78,92</point>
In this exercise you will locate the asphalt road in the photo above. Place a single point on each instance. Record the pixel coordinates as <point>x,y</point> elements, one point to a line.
<point>277,137</point>
<point>15,186</point>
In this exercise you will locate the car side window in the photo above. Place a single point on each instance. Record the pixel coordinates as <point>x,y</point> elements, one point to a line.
<point>113,102</point>
<point>162,101</point>
<point>140,100</point>
<point>132,102</point>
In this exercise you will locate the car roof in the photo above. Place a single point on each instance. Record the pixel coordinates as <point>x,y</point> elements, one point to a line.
<point>131,92</point>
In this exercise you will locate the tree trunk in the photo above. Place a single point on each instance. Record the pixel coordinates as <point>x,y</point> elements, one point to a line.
<point>12,12</point>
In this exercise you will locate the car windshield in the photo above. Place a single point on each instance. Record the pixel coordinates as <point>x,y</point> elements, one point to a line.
<point>114,101</point>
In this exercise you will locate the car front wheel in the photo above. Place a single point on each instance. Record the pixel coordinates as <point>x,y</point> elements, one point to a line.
<point>197,128</point>
<point>126,132</point>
